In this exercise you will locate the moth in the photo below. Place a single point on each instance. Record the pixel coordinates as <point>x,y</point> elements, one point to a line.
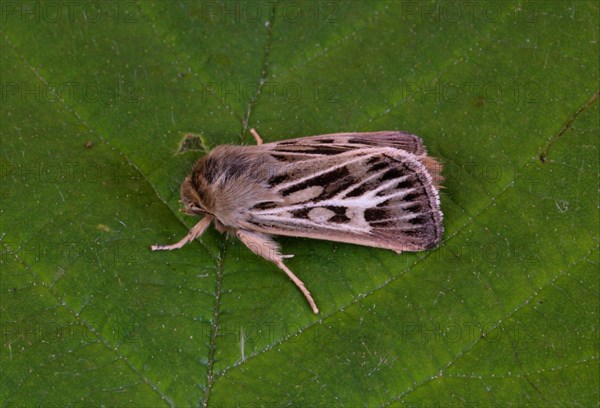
<point>378,189</point>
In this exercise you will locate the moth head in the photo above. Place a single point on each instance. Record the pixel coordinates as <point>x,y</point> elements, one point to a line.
<point>192,204</point>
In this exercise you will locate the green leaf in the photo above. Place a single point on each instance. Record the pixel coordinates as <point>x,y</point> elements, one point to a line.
<point>105,107</point>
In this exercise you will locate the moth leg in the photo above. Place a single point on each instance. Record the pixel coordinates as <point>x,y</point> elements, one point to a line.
<point>258,139</point>
<point>194,233</point>
<point>264,246</point>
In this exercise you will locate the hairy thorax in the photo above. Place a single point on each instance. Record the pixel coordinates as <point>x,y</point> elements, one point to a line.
<point>228,181</point>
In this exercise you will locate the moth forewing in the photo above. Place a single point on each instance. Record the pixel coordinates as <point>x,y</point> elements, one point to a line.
<point>380,197</point>
<point>375,189</point>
